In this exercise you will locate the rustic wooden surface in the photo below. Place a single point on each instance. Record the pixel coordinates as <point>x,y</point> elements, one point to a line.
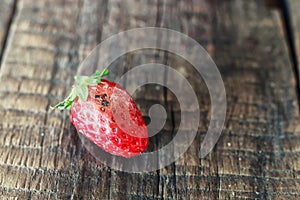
<point>6,14</point>
<point>295,31</point>
<point>257,156</point>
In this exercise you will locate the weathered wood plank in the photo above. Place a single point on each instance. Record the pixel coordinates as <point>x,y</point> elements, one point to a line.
<point>257,156</point>
<point>262,103</point>
<point>293,7</point>
<point>6,17</point>
<point>42,51</point>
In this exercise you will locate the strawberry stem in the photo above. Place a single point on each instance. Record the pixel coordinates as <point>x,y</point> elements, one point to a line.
<point>80,89</point>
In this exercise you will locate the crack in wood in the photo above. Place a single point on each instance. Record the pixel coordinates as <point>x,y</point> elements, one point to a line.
<point>11,18</point>
<point>289,34</point>
<point>285,10</point>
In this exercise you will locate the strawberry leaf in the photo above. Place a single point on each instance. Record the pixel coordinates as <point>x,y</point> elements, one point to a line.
<point>98,76</point>
<point>73,94</point>
<point>82,92</point>
<point>105,72</point>
<point>97,73</point>
<point>92,81</point>
<point>80,79</point>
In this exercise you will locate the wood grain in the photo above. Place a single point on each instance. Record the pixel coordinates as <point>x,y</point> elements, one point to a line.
<point>257,156</point>
<point>262,106</point>
<point>295,23</point>
<point>6,17</point>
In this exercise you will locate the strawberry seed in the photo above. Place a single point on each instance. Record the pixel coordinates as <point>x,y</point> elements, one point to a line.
<point>105,103</point>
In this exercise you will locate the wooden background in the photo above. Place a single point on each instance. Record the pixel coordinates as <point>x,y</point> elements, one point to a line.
<point>252,43</point>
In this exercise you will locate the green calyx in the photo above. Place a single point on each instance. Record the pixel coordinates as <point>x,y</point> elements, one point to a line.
<point>80,89</point>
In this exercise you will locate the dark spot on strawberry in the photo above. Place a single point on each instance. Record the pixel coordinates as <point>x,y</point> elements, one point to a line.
<point>97,96</point>
<point>105,103</point>
<point>103,96</point>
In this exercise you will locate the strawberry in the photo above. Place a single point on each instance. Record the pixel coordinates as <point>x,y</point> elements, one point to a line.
<point>106,114</point>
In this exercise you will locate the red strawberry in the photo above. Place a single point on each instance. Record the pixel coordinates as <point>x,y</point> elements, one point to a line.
<point>107,115</point>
